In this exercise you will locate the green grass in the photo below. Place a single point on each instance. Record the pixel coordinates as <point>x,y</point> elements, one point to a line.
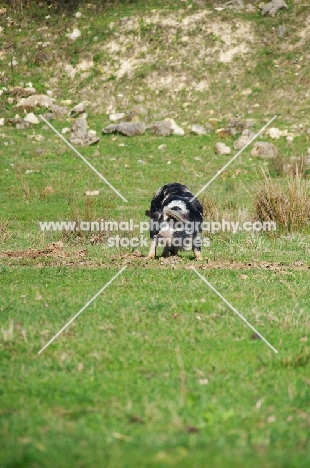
<point>157,371</point>
<point>128,379</point>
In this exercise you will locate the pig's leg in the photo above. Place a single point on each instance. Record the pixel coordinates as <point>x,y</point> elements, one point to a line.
<point>166,251</point>
<point>152,253</point>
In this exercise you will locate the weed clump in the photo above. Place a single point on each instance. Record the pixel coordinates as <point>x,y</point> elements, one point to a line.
<point>286,202</point>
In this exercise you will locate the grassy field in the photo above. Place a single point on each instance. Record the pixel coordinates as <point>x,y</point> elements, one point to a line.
<point>157,371</point>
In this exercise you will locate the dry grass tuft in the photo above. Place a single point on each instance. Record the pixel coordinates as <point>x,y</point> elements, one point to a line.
<point>210,209</point>
<point>286,202</point>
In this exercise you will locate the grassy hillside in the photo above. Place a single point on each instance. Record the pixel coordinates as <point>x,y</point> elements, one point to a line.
<point>157,371</point>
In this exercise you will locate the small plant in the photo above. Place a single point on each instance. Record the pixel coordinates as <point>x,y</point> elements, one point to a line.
<point>287,203</point>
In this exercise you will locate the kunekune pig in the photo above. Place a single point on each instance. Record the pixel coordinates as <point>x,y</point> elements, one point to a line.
<point>175,221</point>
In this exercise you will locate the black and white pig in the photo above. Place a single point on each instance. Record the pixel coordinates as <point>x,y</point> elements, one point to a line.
<point>175,221</point>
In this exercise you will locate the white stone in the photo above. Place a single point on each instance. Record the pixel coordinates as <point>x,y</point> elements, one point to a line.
<point>221,148</point>
<point>78,14</point>
<point>31,118</point>
<point>198,129</point>
<point>92,193</point>
<point>117,116</point>
<point>50,93</point>
<point>74,35</point>
<point>273,133</point>
<point>176,130</point>
<point>65,130</point>
<point>1,122</point>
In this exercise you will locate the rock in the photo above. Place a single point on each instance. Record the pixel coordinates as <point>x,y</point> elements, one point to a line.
<point>65,130</point>
<point>1,122</point>
<point>290,138</point>
<point>136,113</point>
<point>244,139</point>
<point>198,129</point>
<point>78,14</point>
<point>221,148</point>
<point>49,116</point>
<point>74,35</point>
<point>37,100</point>
<point>176,130</point>
<point>162,147</point>
<point>117,116</point>
<point>126,128</point>
<point>59,111</point>
<point>33,119</point>
<point>161,128</point>
<point>273,7</point>
<point>19,123</point>
<point>78,109</point>
<point>80,135</point>
<point>92,193</point>
<point>264,149</point>
<point>273,133</point>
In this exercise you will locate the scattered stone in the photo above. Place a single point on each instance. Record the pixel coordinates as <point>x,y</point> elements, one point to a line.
<point>92,193</point>
<point>198,129</point>
<point>176,129</point>
<point>140,161</point>
<point>10,100</point>
<point>78,109</point>
<point>78,14</point>
<point>65,130</point>
<point>19,123</point>
<point>74,35</point>
<point>161,128</point>
<point>273,133</point>
<point>221,148</point>
<point>48,115</point>
<point>264,149</point>
<point>290,138</point>
<point>80,135</point>
<point>273,7</point>
<point>162,147</point>
<point>49,93</point>
<point>126,128</point>
<point>117,116</point>
<point>59,111</point>
<point>37,100</point>
<point>1,122</point>
<point>244,139</point>
<point>20,91</point>
<point>33,119</point>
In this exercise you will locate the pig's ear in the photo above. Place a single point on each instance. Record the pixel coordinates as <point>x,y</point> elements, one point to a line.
<point>177,215</point>
<point>148,213</point>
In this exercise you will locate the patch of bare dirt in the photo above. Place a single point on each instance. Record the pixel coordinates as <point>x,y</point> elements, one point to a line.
<point>55,249</point>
